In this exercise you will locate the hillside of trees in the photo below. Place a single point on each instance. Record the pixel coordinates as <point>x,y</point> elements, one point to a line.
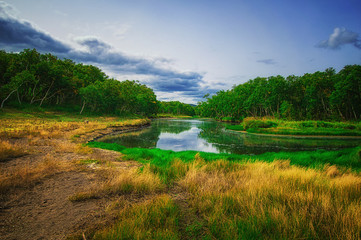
<point>318,96</point>
<point>43,79</point>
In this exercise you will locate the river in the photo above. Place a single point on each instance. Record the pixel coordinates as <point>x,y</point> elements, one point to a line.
<point>211,136</point>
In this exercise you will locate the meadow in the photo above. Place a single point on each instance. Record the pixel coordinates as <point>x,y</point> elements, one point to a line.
<point>302,195</point>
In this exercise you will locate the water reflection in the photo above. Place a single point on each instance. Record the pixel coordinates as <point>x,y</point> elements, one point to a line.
<point>186,140</point>
<point>211,136</point>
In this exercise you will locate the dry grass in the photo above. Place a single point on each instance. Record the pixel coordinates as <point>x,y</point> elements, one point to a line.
<point>276,201</point>
<point>46,128</point>
<point>10,150</point>
<point>151,219</point>
<point>133,181</point>
<point>27,174</point>
<point>118,181</point>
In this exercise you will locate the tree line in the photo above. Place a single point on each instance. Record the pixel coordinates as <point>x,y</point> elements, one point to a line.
<point>323,95</point>
<point>176,108</point>
<point>43,79</point>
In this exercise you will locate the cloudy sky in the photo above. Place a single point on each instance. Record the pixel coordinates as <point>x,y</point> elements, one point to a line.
<point>184,49</point>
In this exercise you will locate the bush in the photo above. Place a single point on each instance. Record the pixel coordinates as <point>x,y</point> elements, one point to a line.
<point>227,119</point>
<point>258,123</point>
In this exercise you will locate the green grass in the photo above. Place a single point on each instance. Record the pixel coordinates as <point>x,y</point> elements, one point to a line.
<point>309,128</point>
<point>307,131</point>
<point>153,219</point>
<point>162,161</point>
<point>235,127</point>
<point>286,195</point>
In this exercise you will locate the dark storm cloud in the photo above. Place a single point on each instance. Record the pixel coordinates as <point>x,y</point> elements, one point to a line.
<point>22,34</point>
<point>340,37</point>
<point>17,34</point>
<point>267,61</point>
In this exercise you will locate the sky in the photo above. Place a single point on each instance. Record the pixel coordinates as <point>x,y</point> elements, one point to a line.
<point>184,49</point>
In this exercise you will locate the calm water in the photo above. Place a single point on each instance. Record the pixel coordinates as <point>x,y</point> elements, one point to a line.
<point>211,136</point>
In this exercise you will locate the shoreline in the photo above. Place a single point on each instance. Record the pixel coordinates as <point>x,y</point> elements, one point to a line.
<point>298,136</point>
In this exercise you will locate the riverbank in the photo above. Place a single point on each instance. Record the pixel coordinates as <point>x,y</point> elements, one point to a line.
<point>54,187</point>
<point>301,129</point>
<point>43,164</point>
<point>273,195</point>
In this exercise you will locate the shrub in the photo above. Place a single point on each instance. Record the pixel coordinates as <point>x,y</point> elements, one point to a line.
<point>258,123</point>
<point>227,119</point>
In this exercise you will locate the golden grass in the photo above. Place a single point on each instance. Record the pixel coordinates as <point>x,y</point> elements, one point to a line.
<point>27,174</point>
<point>47,128</point>
<point>132,180</point>
<point>9,150</point>
<point>118,181</point>
<point>275,200</point>
<point>151,219</point>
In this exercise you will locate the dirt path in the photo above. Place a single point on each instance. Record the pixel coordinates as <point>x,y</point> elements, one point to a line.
<point>39,206</point>
<point>44,212</point>
<point>42,209</point>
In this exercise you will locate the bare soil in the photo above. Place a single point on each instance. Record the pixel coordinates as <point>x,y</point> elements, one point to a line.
<point>42,209</point>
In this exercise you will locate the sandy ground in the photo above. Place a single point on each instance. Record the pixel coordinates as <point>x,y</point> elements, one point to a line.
<point>42,209</point>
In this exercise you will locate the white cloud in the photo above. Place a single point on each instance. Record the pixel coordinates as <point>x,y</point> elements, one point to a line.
<point>340,37</point>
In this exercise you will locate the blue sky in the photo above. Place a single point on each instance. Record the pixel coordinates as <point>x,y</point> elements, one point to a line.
<point>186,48</point>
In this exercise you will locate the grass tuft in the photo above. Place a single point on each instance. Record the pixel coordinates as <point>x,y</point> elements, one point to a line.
<point>153,219</point>
<point>9,150</point>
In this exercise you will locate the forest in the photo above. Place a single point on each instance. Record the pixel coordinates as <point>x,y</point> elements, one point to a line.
<point>323,95</point>
<point>176,108</point>
<point>43,79</point>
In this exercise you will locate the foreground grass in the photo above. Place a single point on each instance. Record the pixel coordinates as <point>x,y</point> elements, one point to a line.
<point>304,195</point>
<point>153,219</point>
<point>282,127</point>
<point>345,159</point>
<point>261,200</point>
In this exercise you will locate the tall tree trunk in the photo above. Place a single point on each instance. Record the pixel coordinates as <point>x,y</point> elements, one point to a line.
<point>354,113</point>
<point>46,94</point>
<point>33,98</point>
<point>2,103</point>
<point>17,93</point>
<point>82,108</point>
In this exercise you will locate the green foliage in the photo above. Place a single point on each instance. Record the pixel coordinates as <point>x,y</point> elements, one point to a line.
<point>228,119</point>
<point>176,108</point>
<point>321,95</point>
<point>249,123</point>
<point>32,78</point>
<point>235,127</point>
<point>324,128</point>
